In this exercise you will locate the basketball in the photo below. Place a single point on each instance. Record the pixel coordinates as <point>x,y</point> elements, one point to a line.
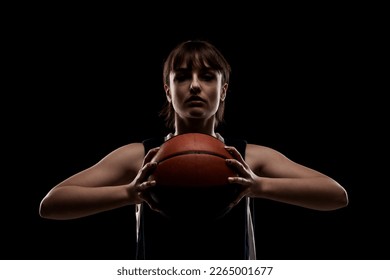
<point>192,177</point>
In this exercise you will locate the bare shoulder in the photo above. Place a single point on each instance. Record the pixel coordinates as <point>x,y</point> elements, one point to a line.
<point>266,161</point>
<point>122,164</point>
<point>259,157</point>
<point>260,152</point>
<point>129,156</point>
<point>118,167</point>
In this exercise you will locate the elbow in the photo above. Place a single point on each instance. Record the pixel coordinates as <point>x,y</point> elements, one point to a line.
<point>46,211</point>
<point>337,197</point>
<point>340,200</point>
<point>50,206</point>
<point>43,210</point>
<point>343,200</point>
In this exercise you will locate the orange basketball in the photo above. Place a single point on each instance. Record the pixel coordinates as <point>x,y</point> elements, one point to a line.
<point>192,177</point>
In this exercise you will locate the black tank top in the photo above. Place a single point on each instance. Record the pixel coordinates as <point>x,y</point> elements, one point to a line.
<point>227,238</point>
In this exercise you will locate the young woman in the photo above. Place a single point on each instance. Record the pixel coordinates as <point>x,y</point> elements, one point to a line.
<point>196,78</point>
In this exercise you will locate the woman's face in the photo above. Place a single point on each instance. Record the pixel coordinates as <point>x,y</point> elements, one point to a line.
<point>195,93</point>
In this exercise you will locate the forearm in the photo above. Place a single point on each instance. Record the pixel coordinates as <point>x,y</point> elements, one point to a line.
<point>319,193</point>
<point>70,202</point>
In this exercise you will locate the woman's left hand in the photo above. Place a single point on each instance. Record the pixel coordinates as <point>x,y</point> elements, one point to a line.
<point>245,176</point>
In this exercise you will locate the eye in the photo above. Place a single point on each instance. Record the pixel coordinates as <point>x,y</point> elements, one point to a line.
<point>207,76</point>
<point>181,77</point>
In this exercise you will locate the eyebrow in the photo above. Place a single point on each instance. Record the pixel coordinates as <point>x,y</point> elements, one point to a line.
<point>186,69</point>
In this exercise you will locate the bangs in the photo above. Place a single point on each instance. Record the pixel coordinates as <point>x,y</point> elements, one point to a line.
<point>195,59</point>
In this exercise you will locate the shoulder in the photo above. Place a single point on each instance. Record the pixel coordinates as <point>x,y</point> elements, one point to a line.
<point>132,154</point>
<point>117,167</point>
<point>136,150</point>
<point>258,156</point>
<point>255,149</point>
<point>263,152</point>
<point>129,156</point>
<point>129,150</point>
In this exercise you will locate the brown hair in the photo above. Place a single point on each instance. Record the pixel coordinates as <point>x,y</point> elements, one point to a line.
<point>195,54</point>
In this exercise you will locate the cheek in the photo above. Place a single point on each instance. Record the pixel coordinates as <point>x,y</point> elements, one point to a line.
<point>178,93</point>
<point>214,94</point>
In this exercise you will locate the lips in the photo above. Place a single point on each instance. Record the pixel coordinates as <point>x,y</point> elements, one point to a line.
<point>195,99</point>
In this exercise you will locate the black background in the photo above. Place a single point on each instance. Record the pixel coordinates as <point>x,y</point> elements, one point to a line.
<point>83,84</point>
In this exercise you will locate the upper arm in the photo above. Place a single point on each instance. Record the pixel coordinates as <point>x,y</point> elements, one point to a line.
<point>118,167</point>
<point>267,162</point>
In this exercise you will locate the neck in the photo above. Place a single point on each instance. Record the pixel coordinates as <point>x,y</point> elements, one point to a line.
<point>206,127</point>
<point>192,130</point>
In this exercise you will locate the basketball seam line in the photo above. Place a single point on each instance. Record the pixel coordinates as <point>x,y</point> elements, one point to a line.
<point>192,152</point>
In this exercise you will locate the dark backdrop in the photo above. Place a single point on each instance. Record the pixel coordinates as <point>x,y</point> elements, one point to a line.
<point>86,86</point>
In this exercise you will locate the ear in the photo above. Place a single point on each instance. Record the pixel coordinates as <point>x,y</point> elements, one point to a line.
<point>224,91</point>
<point>168,93</point>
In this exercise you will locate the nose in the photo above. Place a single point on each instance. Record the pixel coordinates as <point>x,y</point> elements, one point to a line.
<point>195,86</point>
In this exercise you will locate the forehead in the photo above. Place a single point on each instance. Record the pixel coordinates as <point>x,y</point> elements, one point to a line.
<point>190,67</point>
<point>193,68</point>
<point>194,59</point>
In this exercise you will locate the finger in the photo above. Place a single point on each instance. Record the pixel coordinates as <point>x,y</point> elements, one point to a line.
<point>239,180</point>
<point>235,153</point>
<point>243,193</point>
<point>147,169</point>
<point>151,153</point>
<point>238,166</point>
<point>153,206</point>
<point>149,200</point>
<point>235,202</point>
<point>141,188</point>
